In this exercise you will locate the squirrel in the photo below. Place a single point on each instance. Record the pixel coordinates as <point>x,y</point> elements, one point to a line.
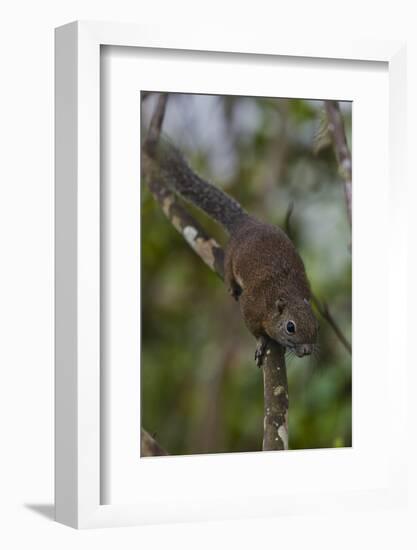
<point>262,269</point>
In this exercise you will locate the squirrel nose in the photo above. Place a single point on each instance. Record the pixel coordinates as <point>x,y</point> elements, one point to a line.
<point>308,348</point>
<point>305,349</point>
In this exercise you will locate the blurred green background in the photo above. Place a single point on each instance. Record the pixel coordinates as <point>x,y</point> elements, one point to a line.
<point>200,389</point>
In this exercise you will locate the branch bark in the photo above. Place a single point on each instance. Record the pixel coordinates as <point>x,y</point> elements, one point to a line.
<point>149,446</point>
<point>337,132</point>
<point>205,246</point>
<point>274,367</point>
<point>275,399</point>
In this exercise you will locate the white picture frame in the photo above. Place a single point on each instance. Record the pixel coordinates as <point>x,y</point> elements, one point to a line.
<point>78,404</point>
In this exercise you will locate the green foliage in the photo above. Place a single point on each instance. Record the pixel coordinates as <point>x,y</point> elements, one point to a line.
<point>201,390</point>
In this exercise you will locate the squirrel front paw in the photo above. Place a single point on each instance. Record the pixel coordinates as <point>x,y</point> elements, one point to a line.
<point>260,351</point>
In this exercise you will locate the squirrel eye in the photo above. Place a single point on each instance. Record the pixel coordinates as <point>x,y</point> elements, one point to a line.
<point>290,327</point>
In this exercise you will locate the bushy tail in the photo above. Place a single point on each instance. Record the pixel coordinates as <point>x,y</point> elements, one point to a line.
<point>178,176</point>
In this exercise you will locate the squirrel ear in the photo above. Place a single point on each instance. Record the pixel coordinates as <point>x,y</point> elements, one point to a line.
<point>280,304</point>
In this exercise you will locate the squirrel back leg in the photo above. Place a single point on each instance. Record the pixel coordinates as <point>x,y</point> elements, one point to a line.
<point>252,315</point>
<point>232,285</point>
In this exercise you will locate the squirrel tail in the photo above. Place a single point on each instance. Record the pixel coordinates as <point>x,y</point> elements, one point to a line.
<point>178,176</point>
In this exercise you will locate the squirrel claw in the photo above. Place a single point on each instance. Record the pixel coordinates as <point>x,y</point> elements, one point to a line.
<point>260,351</point>
<point>235,292</point>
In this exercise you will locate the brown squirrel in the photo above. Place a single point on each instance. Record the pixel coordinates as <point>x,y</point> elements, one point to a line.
<point>262,268</point>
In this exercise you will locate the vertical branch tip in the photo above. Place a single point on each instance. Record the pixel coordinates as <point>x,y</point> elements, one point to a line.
<point>155,125</point>
<point>337,132</point>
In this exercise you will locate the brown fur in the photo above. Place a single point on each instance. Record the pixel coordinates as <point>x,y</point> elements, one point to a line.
<point>262,267</point>
<point>265,273</point>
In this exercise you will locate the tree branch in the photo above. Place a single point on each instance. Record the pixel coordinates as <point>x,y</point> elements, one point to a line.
<point>155,126</point>
<point>205,246</point>
<point>337,132</point>
<point>148,445</point>
<point>275,399</point>
<point>274,368</point>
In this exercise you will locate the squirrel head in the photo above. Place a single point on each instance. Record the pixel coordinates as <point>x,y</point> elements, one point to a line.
<point>292,324</point>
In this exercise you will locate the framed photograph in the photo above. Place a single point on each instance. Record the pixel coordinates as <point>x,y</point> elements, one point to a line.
<point>224,326</point>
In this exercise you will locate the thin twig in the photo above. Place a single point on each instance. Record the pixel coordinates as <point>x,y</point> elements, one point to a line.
<point>323,309</point>
<point>274,367</point>
<point>145,95</point>
<point>155,126</point>
<point>287,221</point>
<point>337,132</point>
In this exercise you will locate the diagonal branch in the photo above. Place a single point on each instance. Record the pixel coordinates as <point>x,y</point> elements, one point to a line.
<point>274,367</point>
<point>324,311</point>
<point>206,247</point>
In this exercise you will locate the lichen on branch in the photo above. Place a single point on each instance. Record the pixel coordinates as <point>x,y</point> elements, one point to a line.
<point>205,246</point>
<point>275,399</point>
